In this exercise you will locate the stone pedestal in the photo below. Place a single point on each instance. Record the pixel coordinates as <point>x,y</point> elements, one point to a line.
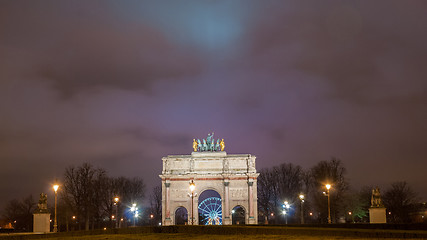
<point>167,222</point>
<point>253,220</point>
<point>41,222</point>
<point>377,215</point>
<point>226,221</point>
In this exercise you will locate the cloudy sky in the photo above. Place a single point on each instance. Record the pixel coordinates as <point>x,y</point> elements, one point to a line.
<point>120,84</point>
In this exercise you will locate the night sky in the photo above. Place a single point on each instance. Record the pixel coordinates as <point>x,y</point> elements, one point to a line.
<point>120,84</point>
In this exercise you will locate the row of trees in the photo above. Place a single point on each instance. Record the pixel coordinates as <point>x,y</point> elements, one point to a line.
<point>287,182</point>
<point>20,213</point>
<point>89,193</point>
<point>86,198</point>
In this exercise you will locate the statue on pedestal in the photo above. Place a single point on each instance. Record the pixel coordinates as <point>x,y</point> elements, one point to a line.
<point>42,205</point>
<point>376,198</point>
<point>41,216</point>
<point>377,211</point>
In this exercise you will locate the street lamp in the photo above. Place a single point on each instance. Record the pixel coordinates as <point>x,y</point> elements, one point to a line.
<point>116,202</point>
<point>286,207</point>
<point>73,222</point>
<point>351,216</point>
<point>301,197</point>
<point>328,186</point>
<point>136,215</point>
<point>134,210</point>
<point>55,223</point>
<point>192,188</point>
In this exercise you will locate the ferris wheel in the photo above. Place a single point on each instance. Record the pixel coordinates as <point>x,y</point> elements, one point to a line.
<point>211,210</point>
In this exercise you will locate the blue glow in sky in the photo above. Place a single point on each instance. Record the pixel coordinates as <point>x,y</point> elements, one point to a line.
<point>210,26</point>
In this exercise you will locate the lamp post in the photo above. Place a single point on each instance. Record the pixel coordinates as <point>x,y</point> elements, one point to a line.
<point>55,223</point>
<point>301,197</point>
<point>135,216</point>
<point>328,186</point>
<point>192,188</point>
<point>116,202</point>
<point>285,211</point>
<point>351,216</point>
<point>134,210</point>
<point>73,222</point>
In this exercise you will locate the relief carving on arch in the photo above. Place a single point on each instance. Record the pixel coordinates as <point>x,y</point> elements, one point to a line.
<point>238,193</point>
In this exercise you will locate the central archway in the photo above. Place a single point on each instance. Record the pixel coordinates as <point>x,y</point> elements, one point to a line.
<point>210,208</point>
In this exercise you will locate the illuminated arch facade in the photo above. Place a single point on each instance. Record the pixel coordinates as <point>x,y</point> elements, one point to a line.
<point>232,176</point>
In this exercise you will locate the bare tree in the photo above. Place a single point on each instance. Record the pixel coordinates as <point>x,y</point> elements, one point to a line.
<point>400,201</point>
<point>81,191</point>
<point>133,190</point>
<point>268,194</point>
<point>329,172</point>
<point>130,191</point>
<point>20,213</point>
<point>290,179</point>
<point>156,204</point>
<point>356,204</point>
<point>276,185</point>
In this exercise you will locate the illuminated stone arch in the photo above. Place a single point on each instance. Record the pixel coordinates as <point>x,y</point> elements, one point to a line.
<point>232,176</point>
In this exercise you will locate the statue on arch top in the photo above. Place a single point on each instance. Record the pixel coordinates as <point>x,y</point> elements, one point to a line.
<point>195,144</point>
<point>209,139</point>
<point>208,144</point>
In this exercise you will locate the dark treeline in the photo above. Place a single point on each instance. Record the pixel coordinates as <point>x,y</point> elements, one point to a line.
<point>89,194</point>
<point>156,205</point>
<point>86,199</point>
<point>287,182</point>
<point>19,213</point>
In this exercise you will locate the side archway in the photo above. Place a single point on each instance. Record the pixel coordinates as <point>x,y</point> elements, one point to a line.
<point>238,215</point>
<point>181,216</point>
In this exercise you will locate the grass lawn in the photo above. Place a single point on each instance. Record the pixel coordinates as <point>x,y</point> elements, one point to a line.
<point>182,236</point>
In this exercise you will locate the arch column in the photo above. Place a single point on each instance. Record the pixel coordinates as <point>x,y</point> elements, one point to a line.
<point>196,210</point>
<point>226,210</point>
<point>168,220</point>
<point>251,211</point>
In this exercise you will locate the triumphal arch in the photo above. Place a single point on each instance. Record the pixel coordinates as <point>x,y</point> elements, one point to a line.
<point>208,169</point>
